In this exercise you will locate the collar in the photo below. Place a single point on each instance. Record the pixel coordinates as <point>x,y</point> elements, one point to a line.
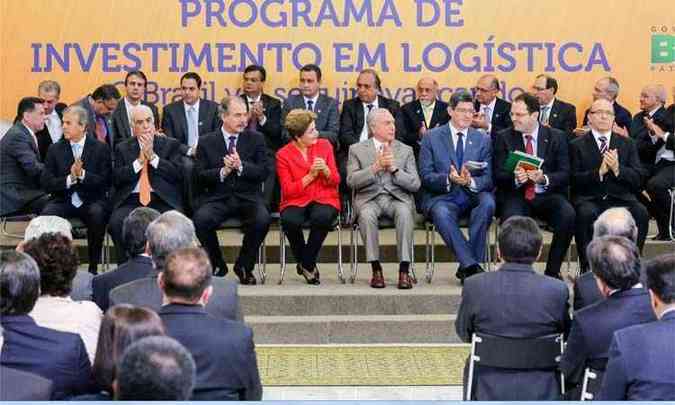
<point>634,287</point>
<point>454,130</point>
<point>54,114</point>
<point>55,298</point>
<point>491,105</point>
<point>29,130</point>
<point>227,135</point>
<point>250,99</point>
<point>374,104</point>
<point>549,105</point>
<point>313,99</point>
<point>129,104</point>
<point>182,308</point>
<point>597,135</point>
<point>17,319</point>
<point>80,142</point>
<point>377,143</point>
<point>668,313</point>
<point>652,112</point>
<point>188,106</point>
<point>534,134</point>
<point>516,267</point>
<point>430,106</point>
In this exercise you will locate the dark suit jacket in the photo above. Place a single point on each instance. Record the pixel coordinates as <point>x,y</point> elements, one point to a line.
<point>594,326</point>
<point>120,119</point>
<point>255,161</point>
<point>19,385</point>
<point>639,132</point>
<point>135,268</point>
<point>326,110</point>
<point>515,302</point>
<point>563,116</point>
<point>144,292</point>
<point>58,356</point>
<point>223,351</point>
<point>113,139</point>
<point>272,128</point>
<point>586,291</point>
<point>586,159</point>
<point>174,121</point>
<point>20,169</point>
<point>622,116</point>
<point>641,365</point>
<point>352,120</point>
<point>412,118</point>
<point>551,146</point>
<point>165,180</point>
<point>43,137</point>
<point>501,116</point>
<point>97,167</point>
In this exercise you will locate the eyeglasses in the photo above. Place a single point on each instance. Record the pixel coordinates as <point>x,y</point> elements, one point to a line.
<point>603,112</point>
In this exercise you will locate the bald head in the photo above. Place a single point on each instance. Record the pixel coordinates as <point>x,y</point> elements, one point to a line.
<point>652,97</point>
<point>427,90</point>
<point>487,88</point>
<point>615,222</point>
<point>601,115</point>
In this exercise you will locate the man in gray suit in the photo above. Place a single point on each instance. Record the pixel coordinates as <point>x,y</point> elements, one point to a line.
<point>325,107</point>
<point>171,231</point>
<point>383,175</point>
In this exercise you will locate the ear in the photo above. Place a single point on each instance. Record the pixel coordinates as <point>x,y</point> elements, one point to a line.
<point>541,249</point>
<point>499,255</point>
<point>160,281</point>
<point>656,303</point>
<point>147,248</point>
<point>206,295</point>
<point>604,289</point>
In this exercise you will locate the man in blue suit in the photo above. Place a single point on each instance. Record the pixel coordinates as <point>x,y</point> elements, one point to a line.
<point>641,363</point>
<point>456,172</point>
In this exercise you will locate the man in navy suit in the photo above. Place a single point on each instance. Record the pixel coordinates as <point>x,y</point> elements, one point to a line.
<point>514,302</point>
<point>21,386</point>
<point>492,113</point>
<point>78,174</point>
<point>554,113</point>
<point>641,363</point>
<point>139,264</point>
<point>423,114</point>
<point>452,189</point>
<point>223,350</point>
<point>615,263</point>
<point>58,356</point>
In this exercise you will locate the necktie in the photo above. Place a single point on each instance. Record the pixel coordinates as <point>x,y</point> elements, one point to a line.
<point>365,121</point>
<point>231,145</point>
<point>459,151</point>
<point>370,108</point>
<point>144,185</point>
<point>74,198</point>
<point>310,105</point>
<point>192,127</point>
<point>486,112</point>
<point>603,145</point>
<point>529,186</point>
<point>253,121</point>
<point>101,130</point>
<point>543,118</point>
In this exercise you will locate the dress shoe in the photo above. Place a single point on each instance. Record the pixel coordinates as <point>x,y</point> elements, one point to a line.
<point>461,274</point>
<point>378,279</point>
<point>220,272</point>
<point>473,270</point>
<point>245,277</point>
<point>404,282</point>
<point>310,277</point>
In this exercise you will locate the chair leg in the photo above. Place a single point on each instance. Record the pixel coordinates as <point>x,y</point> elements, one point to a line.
<point>261,261</point>
<point>354,244</point>
<point>672,209</point>
<point>427,254</point>
<point>282,255</point>
<point>413,276</point>
<point>340,270</point>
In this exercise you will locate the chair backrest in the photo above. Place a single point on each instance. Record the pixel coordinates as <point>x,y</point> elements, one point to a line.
<point>518,353</point>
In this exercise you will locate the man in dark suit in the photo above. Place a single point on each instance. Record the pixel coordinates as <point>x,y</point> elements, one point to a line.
<point>423,114</point>
<point>20,165</point>
<point>652,130</point>
<point>50,91</point>
<point>231,165</point>
<point>223,350</point>
<point>139,264</point>
<point>606,172</point>
<point>147,174</point>
<point>492,113</point>
<point>325,107</point>
<point>540,193</point>
<point>514,302</point>
<point>641,366</point>
<point>100,106</point>
<point>615,263</point>
<point>21,386</point>
<point>554,113</point>
<point>451,188</point>
<point>78,174</point>
<point>608,88</point>
<point>58,356</point>
<point>171,231</point>
<point>134,83</point>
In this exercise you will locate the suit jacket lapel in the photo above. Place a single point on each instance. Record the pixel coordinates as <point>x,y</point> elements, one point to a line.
<point>360,119</point>
<point>320,104</point>
<point>436,115</point>
<point>124,116</point>
<point>419,111</point>
<point>182,120</point>
<point>517,141</point>
<point>543,141</point>
<point>593,149</point>
<point>446,141</point>
<point>553,114</point>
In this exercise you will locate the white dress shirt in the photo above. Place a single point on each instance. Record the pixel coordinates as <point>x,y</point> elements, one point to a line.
<point>138,166</point>
<point>129,106</point>
<point>313,100</point>
<point>662,153</point>
<point>53,123</point>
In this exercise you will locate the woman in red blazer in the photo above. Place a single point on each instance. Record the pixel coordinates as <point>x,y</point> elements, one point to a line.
<point>309,190</point>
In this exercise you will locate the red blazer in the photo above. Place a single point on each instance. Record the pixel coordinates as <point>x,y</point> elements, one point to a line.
<point>292,167</point>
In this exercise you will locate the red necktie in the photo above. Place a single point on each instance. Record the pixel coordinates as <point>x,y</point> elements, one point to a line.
<point>101,130</point>
<point>529,186</point>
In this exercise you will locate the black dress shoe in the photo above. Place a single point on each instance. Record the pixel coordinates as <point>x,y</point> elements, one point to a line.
<point>461,273</point>
<point>311,278</point>
<point>220,272</point>
<point>245,277</point>
<point>473,269</point>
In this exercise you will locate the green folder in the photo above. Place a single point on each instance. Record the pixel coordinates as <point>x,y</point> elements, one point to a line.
<point>523,160</point>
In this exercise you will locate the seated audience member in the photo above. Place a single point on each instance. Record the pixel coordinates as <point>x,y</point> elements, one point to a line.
<point>615,263</point>
<point>492,112</point>
<point>608,88</point>
<point>20,164</point>
<point>100,106</point>
<point>606,173</point>
<point>139,264</point>
<point>58,356</point>
<point>156,368</point>
<point>428,111</point>
<point>57,260</point>
<point>452,189</point>
<point>383,174</point>
<point>170,231</point>
<point>538,193</point>
<point>147,174</point>
<point>78,174</point>
<point>223,350</point>
<point>122,325</point>
<point>612,222</point>
<point>641,365</point>
<point>309,190</point>
<point>514,302</point>
<point>554,112</point>
<point>50,92</point>
<point>18,385</point>
<point>232,165</point>
<point>135,83</point>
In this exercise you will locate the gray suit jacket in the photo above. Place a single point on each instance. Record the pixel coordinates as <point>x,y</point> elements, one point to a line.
<point>326,110</point>
<point>82,286</point>
<point>223,304</point>
<point>368,185</point>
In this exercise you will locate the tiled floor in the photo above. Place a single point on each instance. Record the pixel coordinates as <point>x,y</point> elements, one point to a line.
<point>381,393</point>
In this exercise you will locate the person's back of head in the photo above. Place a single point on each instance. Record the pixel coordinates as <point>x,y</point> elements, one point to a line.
<point>519,240</point>
<point>187,276</point>
<point>615,261</point>
<point>57,260</point>
<point>661,283</point>
<point>170,231</point>
<point>134,227</point>
<point>19,283</point>
<point>616,221</point>
<point>156,368</point>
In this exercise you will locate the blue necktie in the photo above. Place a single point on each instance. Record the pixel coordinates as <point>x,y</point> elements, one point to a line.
<point>459,151</point>
<point>193,133</point>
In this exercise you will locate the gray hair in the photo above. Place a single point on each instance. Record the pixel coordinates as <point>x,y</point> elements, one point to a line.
<point>372,117</point>
<point>141,107</point>
<point>47,224</point>
<point>80,112</point>
<point>615,222</point>
<point>226,103</point>
<point>49,86</point>
<point>170,231</point>
<point>612,86</point>
<point>615,260</point>
<point>659,91</point>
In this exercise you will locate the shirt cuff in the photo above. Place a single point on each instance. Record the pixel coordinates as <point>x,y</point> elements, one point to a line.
<point>81,178</point>
<point>222,174</point>
<point>137,166</point>
<point>69,181</point>
<point>262,121</point>
<point>241,169</point>
<point>155,161</point>
<point>472,186</point>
